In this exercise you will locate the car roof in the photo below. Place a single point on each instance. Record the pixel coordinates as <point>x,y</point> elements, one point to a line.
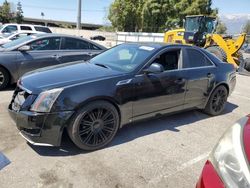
<point>158,45</point>
<point>45,35</point>
<point>24,25</point>
<point>27,31</point>
<point>41,35</point>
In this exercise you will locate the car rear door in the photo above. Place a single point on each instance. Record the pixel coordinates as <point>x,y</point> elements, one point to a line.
<point>199,70</point>
<point>162,92</point>
<point>44,52</point>
<point>74,49</point>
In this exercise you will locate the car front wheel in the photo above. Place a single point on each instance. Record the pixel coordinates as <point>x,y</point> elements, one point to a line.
<point>217,101</point>
<point>4,78</point>
<point>94,126</point>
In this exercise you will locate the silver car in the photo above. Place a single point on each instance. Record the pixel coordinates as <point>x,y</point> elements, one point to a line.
<point>42,50</point>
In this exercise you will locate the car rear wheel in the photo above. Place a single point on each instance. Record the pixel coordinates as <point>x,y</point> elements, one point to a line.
<point>4,78</point>
<point>217,101</point>
<point>94,126</point>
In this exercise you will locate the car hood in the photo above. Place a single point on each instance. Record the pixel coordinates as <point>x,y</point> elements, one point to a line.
<point>64,76</point>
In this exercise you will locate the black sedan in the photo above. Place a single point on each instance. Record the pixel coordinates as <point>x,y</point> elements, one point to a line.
<point>124,84</point>
<point>41,50</point>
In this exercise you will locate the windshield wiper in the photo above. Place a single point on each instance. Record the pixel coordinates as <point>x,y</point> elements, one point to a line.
<point>102,65</point>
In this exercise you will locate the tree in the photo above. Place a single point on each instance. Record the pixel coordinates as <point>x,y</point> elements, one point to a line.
<point>19,13</point>
<point>221,28</point>
<point>5,15</point>
<point>246,28</point>
<point>155,14</point>
<point>125,15</point>
<point>192,7</point>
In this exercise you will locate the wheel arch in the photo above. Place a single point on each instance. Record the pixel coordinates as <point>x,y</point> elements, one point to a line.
<point>216,86</point>
<point>94,99</point>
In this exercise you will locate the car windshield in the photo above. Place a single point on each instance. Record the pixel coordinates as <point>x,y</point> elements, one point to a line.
<point>192,24</point>
<point>17,42</point>
<point>124,58</point>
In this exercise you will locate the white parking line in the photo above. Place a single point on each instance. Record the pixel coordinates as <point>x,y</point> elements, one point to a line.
<point>193,161</point>
<point>180,168</point>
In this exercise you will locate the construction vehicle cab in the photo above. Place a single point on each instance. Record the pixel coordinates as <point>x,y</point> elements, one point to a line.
<point>196,28</point>
<point>199,30</point>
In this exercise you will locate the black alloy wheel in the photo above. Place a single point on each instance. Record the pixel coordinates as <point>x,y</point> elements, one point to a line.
<point>94,126</point>
<point>217,101</point>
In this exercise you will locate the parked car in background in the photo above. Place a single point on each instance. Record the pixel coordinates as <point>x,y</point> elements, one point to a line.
<point>124,84</point>
<point>98,37</point>
<point>14,36</point>
<point>247,50</point>
<point>40,50</point>
<point>12,27</point>
<point>228,165</point>
<point>244,46</point>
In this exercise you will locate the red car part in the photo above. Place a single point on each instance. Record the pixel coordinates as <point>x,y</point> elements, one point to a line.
<point>209,178</point>
<point>246,138</point>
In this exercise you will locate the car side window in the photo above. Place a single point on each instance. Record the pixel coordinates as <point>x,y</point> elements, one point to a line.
<point>170,59</point>
<point>27,28</point>
<point>194,58</point>
<point>43,29</point>
<point>94,47</point>
<point>10,29</point>
<point>46,44</point>
<point>75,44</point>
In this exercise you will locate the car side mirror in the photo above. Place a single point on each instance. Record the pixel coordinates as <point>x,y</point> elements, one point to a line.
<point>24,48</point>
<point>154,68</point>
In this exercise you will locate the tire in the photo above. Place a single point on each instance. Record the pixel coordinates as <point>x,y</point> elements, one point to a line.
<point>218,52</point>
<point>94,126</point>
<point>247,65</point>
<point>217,101</point>
<point>240,59</point>
<point>4,78</point>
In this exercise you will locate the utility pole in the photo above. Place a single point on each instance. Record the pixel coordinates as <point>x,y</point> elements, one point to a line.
<point>79,13</point>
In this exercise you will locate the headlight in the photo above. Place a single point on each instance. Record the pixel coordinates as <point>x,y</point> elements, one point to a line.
<point>229,159</point>
<point>45,100</point>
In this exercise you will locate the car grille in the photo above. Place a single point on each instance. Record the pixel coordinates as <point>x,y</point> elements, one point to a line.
<point>21,100</point>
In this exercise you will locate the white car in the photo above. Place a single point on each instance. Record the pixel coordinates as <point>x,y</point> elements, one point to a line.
<point>12,27</point>
<point>13,36</point>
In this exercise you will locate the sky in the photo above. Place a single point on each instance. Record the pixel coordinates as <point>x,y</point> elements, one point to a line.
<point>95,11</point>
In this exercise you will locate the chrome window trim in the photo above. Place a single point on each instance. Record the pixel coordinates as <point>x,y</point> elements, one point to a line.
<point>182,48</point>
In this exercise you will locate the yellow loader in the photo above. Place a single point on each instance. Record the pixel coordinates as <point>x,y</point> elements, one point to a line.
<point>199,30</point>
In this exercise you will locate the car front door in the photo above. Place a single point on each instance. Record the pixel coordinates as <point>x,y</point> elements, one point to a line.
<point>76,49</point>
<point>200,73</point>
<point>160,92</point>
<point>43,52</point>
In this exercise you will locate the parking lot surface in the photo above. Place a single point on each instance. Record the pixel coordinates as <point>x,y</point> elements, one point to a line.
<point>165,152</point>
